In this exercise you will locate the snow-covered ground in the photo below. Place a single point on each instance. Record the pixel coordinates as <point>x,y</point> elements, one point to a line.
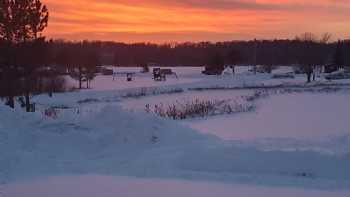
<point>191,77</point>
<point>105,186</point>
<point>293,143</point>
<point>101,82</point>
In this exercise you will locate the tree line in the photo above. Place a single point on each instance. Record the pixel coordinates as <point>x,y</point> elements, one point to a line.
<point>306,50</point>
<point>268,52</point>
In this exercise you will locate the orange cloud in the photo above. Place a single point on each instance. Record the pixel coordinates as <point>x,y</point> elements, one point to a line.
<point>194,20</point>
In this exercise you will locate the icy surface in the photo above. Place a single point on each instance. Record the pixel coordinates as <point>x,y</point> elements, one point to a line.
<point>304,121</point>
<point>301,116</point>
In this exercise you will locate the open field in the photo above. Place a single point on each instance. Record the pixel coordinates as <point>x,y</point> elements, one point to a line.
<point>293,139</point>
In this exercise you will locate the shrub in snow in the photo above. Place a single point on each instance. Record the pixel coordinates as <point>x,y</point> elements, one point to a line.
<point>151,92</point>
<point>199,108</point>
<point>51,113</point>
<point>89,100</point>
<point>283,76</point>
<point>257,95</point>
<point>265,68</point>
<point>338,76</point>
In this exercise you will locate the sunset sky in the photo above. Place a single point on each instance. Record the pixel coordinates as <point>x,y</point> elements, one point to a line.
<point>195,20</point>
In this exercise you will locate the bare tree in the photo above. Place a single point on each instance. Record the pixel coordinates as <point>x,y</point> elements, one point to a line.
<point>312,54</point>
<point>83,62</point>
<point>325,38</point>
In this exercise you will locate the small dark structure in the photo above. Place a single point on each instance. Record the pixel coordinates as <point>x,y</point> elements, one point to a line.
<point>129,75</point>
<point>168,72</point>
<point>331,68</point>
<point>106,71</point>
<point>209,70</point>
<point>145,68</point>
<point>160,74</point>
<point>216,64</point>
<point>157,75</point>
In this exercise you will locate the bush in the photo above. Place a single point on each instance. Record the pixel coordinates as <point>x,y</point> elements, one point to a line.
<point>198,108</point>
<point>88,100</point>
<point>56,84</point>
<point>150,92</point>
<point>257,95</point>
<point>283,76</point>
<point>338,76</point>
<point>51,112</point>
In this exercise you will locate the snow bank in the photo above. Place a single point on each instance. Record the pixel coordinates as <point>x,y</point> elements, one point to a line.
<point>116,142</point>
<point>33,146</point>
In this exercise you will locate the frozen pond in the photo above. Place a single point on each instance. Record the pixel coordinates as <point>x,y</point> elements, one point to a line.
<point>307,116</point>
<point>299,116</point>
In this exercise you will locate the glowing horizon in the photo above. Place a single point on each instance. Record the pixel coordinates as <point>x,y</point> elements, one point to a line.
<point>195,20</point>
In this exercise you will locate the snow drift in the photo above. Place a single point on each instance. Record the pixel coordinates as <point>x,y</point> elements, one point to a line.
<point>116,142</point>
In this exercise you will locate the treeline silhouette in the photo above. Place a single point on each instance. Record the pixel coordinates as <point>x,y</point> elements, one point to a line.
<point>261,52</point>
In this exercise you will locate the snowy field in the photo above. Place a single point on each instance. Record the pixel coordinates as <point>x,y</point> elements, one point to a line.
<point>295,140</point>
<point>187,75</point>
<point>92,186</point>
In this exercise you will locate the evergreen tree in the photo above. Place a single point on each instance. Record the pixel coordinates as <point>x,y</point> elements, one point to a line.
<point>21,22</point>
